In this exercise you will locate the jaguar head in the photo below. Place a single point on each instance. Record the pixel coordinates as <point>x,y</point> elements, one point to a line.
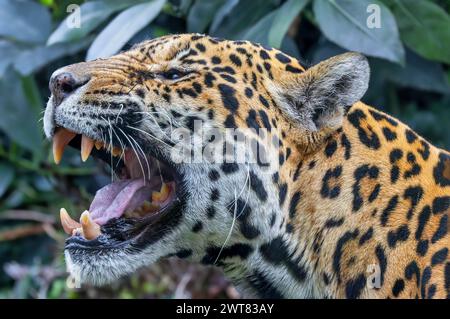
<point>199,134</point>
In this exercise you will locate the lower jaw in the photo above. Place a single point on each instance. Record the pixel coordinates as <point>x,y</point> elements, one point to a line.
<point>129,199</point>
<point>137,227</point>
<point>99,227</point>
<point>131,233</point>
<point>148,221</point>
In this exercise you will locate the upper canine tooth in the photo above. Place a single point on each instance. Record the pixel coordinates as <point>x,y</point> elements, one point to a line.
<point>61,138</point>
<point>91,229</point>
<point>68,224</point>
<point>98,145</point>
<point>86,147</point>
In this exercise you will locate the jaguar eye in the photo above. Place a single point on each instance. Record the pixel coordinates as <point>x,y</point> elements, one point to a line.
<point>172,74</point>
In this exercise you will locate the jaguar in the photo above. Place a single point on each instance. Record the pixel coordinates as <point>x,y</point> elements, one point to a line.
<point>349,202</point>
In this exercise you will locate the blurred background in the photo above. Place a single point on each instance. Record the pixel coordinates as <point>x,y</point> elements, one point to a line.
<point>407,42</point>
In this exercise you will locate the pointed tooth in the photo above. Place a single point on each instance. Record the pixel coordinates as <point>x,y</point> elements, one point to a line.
<point>68,224</point>
<point>90,229</point>
<point>86,147</point>
<point>156,196</point>
<point>98,145</point>
<point>148,207</point>
<point>61,138</point>
<point>162,195</point>
<point>116,151</point>
<point>165,191</point>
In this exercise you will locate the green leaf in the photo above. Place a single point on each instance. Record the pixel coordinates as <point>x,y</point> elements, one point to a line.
<point>344,22</point>
<point>47,3</point>
<point>25,21</point>
<point>32,94</point>
<point>91,15</point>
<point>424,27</point>
<point>19,121</point>
<point>15,199</point>
<point>31,60</point>
<point>257,33</point>
<point>201,14</point>
<point>221,14</point>
<point>283,19</point>
<point>7,176</point>
<point>418,73</point>
<point>8,52</point>
<point>57,289</point>
<point>289,47</point>
<point>28,59</point>
<point>323,50</point>
<point>243,15</point>
<point>122,29</point>
<point>184,6</point>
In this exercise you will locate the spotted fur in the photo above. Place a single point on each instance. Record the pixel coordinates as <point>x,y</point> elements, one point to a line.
<point>357,191</point>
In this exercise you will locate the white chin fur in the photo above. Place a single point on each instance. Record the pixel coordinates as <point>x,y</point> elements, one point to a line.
<point>49,118</point>
<point>100,270</point>
<point>99,275</point>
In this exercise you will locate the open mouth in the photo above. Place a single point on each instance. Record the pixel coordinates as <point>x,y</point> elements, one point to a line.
<point>144,193</point>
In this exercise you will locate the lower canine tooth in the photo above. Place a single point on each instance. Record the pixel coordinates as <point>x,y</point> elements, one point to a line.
<point>90,229</point>
<point>68,224</point>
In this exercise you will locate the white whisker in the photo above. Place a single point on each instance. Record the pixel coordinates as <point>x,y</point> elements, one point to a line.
<point>122,146</point>
<point>230,231</point>
<point>142,131</point>
<point>110,147</point>
<point>135,152</point>
<point>156,122</point>
<point>120,111</point>
<point>235,214</point>
<point>143,154</point>
<point>160,174</point>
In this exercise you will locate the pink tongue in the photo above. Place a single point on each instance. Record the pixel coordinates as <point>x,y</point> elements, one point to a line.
<point>113,200</point>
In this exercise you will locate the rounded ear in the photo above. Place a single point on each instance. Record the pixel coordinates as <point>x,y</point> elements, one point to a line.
<point>317,99</point>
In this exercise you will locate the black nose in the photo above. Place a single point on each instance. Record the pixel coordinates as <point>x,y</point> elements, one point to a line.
<point>63,84</point>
